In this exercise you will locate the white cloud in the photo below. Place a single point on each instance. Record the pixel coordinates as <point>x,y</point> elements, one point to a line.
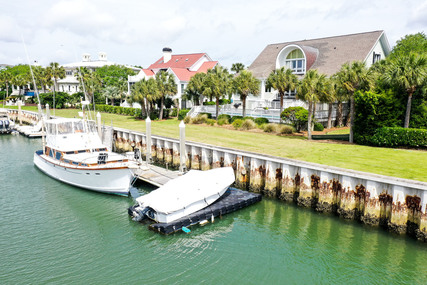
<point>135,31</point>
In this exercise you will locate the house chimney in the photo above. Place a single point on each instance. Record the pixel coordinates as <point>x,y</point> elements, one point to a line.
<point>167,54</point>
<point>86,57</point>
<point>102,56</point>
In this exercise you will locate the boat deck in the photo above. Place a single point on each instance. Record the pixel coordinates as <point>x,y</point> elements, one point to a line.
<point>234,199</point>
<point>156,175</point>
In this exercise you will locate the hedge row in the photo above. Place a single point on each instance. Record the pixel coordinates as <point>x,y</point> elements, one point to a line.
<point>398,137</point>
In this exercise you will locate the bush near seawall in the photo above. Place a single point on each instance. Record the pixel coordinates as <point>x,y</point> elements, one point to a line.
<point>398,137</point>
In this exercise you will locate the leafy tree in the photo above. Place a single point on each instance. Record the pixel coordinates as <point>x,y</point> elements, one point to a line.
<point>297,116</point>
<point>218,84</point>
<point>115,75</point>
<point>244,84</point>
<point>408,72</point>
<point>416,43</point>
<point>166,87</point>
<point>310,90</point>
<point>237,67</point>
<point>351,78</point>
<point>282,80</point>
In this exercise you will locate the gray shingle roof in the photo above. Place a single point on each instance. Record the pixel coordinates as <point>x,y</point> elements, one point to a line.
<point>332,52</point>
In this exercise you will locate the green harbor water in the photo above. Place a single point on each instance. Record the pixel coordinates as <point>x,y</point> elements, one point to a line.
<point>52,233</point>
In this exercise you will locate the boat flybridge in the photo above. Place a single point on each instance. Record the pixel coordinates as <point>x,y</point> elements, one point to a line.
<point>74,153</point>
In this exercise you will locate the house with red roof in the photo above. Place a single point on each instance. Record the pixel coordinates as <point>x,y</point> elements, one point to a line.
<point>181,66</point>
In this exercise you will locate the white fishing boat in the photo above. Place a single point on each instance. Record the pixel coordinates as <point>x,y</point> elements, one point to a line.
<point>74,154</point>
<point>184,195</point>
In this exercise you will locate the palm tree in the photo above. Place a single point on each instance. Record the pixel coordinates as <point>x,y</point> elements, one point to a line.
<point>112,93</point>
<point>217,84</point>
<point>282,80</point>
<point>43,76</point>
<point>237,67</point>
<point>166,86</point>
<point>195,88</point>
<point>145,92</point>
<point>6,78</point>
<point>329,97</point>
<point>408,72</point>
<point>90,83</point>
<point>353,77</point>
<point>244,84</point>
<point>310,90</point>
<point>57,72</point>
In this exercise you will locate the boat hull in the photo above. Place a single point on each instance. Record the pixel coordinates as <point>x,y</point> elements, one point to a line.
<point>112,181</point>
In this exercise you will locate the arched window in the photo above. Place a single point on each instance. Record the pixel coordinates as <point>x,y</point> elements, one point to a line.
<point>296,61</point>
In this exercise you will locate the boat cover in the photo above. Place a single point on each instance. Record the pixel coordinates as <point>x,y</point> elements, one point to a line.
<point>193,186</point>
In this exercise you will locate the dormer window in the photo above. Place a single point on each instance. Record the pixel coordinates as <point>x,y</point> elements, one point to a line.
<point>296,61</point>
<point>376,57</point>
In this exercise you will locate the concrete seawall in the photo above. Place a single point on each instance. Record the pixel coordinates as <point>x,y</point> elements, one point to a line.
<point>398,205</point>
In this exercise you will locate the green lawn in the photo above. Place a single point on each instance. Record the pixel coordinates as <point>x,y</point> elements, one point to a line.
<point>409,164</point>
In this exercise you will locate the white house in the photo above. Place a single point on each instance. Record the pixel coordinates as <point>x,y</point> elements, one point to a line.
<point>182,66</point>
<point>327,55</point>
<point>70,84</point>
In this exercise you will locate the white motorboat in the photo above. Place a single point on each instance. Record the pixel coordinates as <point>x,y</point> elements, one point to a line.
<point>74,154</point>
<point>184,195</point>
<point>5,123</point>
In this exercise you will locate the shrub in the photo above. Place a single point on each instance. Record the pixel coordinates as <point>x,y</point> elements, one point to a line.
<point>228,117</point>
<point>285,129</point>
<point>235,118</point>
<point>210,122</point>
<point>183,113</point>
<point>397,136</point>
<point>270,128</point>
<point>224,101</point>
<point>249,118</point>
<point>237,123</point>
<point>207,114</point>
<point>174,112</point>
<point>199,119</point>
<point>260,121</point>
<point>187,119</point>
<point>297,116</point>
<point>209,103</point>
<point>318,127</point>
<point>222,121</point>
<point>248,124</point>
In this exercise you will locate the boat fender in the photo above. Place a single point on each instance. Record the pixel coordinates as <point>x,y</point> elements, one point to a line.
<point>186,230</point>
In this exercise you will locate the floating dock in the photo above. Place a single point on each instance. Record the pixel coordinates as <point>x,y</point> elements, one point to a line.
<point>156,175</point>
<point>233,199</point>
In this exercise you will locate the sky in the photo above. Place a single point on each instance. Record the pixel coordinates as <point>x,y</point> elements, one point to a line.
<point>134,32</point>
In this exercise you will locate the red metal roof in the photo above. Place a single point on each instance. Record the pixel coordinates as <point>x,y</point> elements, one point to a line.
<point>183,74</point>
<point>177,61</point>
<point>207,65</point>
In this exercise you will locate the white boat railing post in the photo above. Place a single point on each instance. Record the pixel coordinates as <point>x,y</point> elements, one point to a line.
<point>148,134</point>
<point>181,147</point>
<point>98,122</point>
<point>47,112</point>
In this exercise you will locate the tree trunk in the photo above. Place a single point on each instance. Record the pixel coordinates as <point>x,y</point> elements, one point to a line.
<point>339,115</point>
<point>310,113</point>
<point>217,107</point>
<point>177,107</point>
<point>313,116</point>
<point>330,109</point>
<point>244,106</point>
<point>351,139</point>
<point>112,101</point>
<point>161,108</point>
<point>408,110</point>
<point>281,107</point>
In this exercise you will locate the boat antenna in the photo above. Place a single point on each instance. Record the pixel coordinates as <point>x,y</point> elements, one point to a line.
<point>39,106</point>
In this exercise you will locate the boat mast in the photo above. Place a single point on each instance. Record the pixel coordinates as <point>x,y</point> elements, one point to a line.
<point>39,106</point>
